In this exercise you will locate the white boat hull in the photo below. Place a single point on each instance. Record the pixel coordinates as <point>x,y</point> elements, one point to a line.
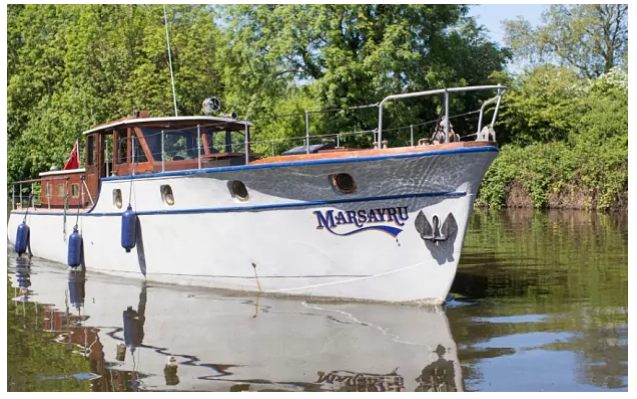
<point>209,238</point>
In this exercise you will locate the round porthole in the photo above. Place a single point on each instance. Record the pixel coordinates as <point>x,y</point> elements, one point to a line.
<point>167,195</point>
<point>117,198</point>
<point>239,190</point>
<point>344,182</point>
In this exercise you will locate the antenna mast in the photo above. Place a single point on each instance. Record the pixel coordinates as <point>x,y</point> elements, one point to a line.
<point>170,62</point>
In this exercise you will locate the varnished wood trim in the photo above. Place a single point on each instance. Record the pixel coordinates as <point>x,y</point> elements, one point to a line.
<point>374,152</point>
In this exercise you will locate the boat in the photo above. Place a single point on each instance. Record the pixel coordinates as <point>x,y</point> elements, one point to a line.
<point>184,200</point>
<point>136,336</point>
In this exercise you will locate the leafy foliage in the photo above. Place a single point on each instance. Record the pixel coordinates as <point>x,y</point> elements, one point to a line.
<point>338,56</point>
<point>71,67</point>
<point>540,106</point>
<point>591,38</point>
<point>567,140</point>
<point>74,66</point>
<point>587,155</point>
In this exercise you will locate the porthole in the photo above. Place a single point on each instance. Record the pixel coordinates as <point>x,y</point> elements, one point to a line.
<point>167,194</point>
<point>239,190</point>
<point>344,182</point>
<point>117,198</point>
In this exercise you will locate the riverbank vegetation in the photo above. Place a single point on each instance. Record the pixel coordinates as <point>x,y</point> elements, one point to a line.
<point>572,147</point>
<point>563,124</point>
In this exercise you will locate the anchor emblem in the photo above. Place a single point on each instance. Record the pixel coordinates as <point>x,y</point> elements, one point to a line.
<point>433,231</point>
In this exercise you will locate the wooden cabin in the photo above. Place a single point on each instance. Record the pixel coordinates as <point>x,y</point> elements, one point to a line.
<point>57,184</point>
<point>133,145</point>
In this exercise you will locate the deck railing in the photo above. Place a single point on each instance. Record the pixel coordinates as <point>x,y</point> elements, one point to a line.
<point>376,133</point>
<point>445,92</point>
<point>26,188</point>
<point>29,193</point>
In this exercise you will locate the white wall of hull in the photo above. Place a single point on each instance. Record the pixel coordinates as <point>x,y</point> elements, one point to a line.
<point>208,239</point>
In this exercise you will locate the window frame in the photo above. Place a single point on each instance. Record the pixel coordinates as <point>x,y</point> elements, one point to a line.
<point>90,150</point>
<point>117,198</point>
<point>121,135</point>
<point>75,186</point>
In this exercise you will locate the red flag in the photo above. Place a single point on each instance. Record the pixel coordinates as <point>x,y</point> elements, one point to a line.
<point>73,161</point>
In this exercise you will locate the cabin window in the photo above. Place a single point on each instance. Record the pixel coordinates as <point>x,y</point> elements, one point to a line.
<point>90,156</point>
<point>107,157</point>
<point>117,198</point>
<point>167,194</point>
<point>210,138</point>
<point>140,156</point>
<point>48,190</point>
<point>122,147</point>
<point>75,190</point>
<point>60,190</point>
<point>344,182</point>
<point>181,143</point>
<point>226,141</point>
<point>239,190</point>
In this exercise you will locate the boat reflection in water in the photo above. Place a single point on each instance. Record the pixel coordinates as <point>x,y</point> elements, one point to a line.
<point>22,279</point>
<point>176,338</point>
<point>66,319</point>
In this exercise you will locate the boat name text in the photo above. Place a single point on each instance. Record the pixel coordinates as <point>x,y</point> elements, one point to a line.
<point>363,220</point>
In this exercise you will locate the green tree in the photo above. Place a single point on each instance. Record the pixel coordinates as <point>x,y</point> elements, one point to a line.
<point>570,140</point>
<point>542,105</point>
<point>348,55</point>
<point>552,103</point>
<point>75,66</point>
<point>591,38</point>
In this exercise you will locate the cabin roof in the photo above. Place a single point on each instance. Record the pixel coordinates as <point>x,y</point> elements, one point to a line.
<point>129,121</point>
<point>62,172</point>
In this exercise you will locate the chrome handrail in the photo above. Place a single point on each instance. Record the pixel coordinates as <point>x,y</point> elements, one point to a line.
<point>484,104</point>
<point>501,89</point>
<point>379,131</point>
<point>37,200</point>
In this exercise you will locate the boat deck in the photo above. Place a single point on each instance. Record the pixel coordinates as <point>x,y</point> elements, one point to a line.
<point>361,152</point>
<point>333,154</point>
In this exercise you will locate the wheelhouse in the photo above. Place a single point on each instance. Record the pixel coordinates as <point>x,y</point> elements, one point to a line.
<point>139,144</point>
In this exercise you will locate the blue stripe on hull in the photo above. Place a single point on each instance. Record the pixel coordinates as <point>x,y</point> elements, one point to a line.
<point>261,207</point>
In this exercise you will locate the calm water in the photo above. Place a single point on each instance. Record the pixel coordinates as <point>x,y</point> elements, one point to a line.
<point>541,304</point>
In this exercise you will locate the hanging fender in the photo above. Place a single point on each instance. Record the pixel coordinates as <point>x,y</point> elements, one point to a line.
<point>23,234</point>
<point>129,226</point>
<point>75,249</point>
<point>22,238</point>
